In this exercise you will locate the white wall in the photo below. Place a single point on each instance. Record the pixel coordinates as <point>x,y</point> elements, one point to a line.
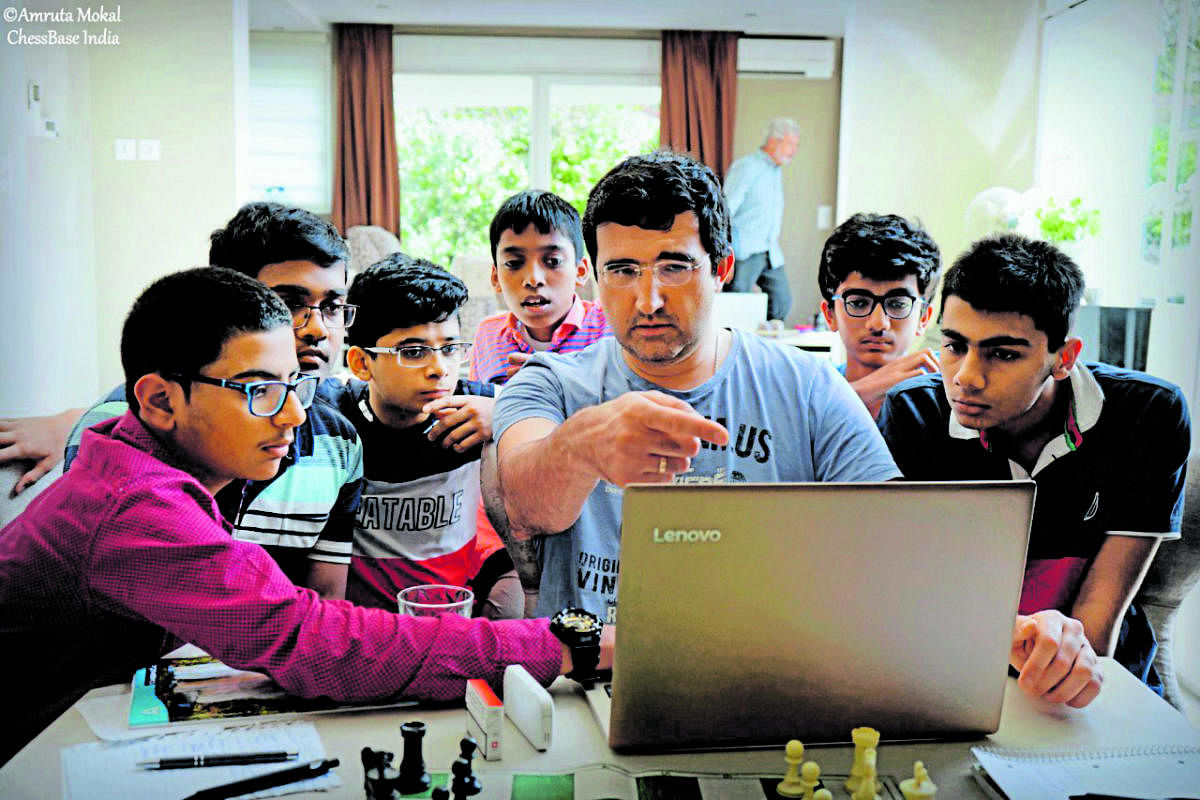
<point>85,233</point>
<point>171,79</point>
<point>939,102</point>
<point>47,286</point>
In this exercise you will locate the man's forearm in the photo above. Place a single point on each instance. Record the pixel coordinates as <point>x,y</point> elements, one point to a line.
<point>546,480</point>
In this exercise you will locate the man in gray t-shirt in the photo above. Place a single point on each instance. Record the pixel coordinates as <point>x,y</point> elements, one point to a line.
<point>789,417</point>
<point>672,398</point>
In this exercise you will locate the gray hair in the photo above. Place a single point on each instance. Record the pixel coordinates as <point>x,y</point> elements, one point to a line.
<point>781,127</point>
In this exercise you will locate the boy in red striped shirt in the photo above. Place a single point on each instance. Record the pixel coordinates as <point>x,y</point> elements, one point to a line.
<point>538,261</point>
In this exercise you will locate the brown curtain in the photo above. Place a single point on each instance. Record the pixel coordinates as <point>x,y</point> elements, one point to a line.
<point>699,95</point>
<point>366,173</point>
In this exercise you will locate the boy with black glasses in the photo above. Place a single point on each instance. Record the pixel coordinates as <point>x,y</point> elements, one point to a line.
<point>128,555</point>
<point>877,274</point>
<point>423,428</point>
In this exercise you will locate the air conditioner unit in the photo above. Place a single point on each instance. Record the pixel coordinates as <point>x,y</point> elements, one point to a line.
<point>810,58</point>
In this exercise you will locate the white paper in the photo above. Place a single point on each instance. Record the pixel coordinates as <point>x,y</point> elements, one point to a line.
<point>108,771</point>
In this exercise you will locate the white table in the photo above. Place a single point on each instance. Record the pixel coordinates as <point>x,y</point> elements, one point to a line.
<point>35,774</point>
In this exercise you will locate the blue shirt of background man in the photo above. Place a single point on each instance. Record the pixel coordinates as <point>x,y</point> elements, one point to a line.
<point>790,417</point>
<point>754,195</point>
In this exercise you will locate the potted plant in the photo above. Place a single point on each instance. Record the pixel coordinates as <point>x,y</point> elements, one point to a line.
<point>1069,223</point>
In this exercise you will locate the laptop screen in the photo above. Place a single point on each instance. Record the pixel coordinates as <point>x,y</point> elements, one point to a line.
<point>750,614</point>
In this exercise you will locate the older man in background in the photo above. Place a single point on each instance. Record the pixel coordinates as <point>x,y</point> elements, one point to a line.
<point>754,194</point>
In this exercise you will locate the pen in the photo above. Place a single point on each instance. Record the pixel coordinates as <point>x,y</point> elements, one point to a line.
<point>313,769</point>
<point>232,760</point>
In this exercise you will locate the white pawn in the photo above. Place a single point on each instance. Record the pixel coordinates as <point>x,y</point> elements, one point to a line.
<point>918,787</point>
<point>810,778</point>
<point>791,785</point>
<point>864,739</point>
<point>823,794</point>
<point>867,786</point>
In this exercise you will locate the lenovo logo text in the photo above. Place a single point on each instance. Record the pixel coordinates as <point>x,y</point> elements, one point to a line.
<point>682,536</point>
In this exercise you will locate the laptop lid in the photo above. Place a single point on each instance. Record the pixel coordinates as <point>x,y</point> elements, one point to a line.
<point>750,614</point>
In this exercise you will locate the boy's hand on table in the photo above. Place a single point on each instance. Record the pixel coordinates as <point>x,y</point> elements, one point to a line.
<point>1055,659</point>
<point>461,420</point>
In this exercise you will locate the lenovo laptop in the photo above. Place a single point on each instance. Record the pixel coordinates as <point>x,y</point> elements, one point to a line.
<point>750,614</point>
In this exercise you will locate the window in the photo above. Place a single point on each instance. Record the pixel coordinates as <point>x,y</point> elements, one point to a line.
<point>478,119</point>
<point>289,120</point>
<point>1175,132</point>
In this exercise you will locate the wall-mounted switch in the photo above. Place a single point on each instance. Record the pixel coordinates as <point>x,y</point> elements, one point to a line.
<point>126,149</point>
<point>148,149</point>
<point>824,218</point>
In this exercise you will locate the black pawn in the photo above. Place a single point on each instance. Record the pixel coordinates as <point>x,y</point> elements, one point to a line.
<point>413,777</point>
<point>379,777</point>
<point>440,793</point>
<point>465,784</point>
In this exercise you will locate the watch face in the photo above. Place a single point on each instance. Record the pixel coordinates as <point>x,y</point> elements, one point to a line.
<point>577,620</point>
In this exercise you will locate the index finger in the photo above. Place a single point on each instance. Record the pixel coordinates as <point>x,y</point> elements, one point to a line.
<point>680,423</point>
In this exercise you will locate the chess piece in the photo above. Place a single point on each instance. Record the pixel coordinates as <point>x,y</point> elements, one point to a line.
<point>810,778</point>
<point>413,778</point>
<point>918,787</point>
<point>465,784</point>
<point>379,777</point>
<point>440,793</point>
<point>863,738</point>
<point>867,787</point>
<point>823,794</point>
<point>790,786</point>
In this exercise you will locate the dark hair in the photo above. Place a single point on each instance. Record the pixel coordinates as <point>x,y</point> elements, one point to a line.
<point>881,247</point>
<point>649,191</point>
<point>1011,273</point>
<point>544,210</point>
<point>268,233</point>
<point>180,322</point>
<point>399,292</point>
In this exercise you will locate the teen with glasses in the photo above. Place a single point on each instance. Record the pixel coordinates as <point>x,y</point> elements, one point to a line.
<point>423,428</point>
<point>877,274</point>
<point>304,514</point>
<point>128,555</point>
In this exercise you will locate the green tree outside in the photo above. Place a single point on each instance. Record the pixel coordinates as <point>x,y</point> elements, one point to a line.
<point>457,165</point>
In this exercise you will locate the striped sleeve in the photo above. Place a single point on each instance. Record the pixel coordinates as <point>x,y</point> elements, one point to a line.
<point>490,350</point>
<point>111,406</point>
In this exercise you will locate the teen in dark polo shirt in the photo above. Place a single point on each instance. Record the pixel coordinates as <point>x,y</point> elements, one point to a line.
<point>1107,447</point>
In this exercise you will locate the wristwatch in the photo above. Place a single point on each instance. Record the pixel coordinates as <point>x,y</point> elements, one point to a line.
<point>579,630</point>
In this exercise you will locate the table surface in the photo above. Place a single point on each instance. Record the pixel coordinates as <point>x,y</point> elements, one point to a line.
<point>35,772</point>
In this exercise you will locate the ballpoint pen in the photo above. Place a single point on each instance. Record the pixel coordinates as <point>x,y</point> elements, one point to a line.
<point>228,760</point>
<point>312,769</point>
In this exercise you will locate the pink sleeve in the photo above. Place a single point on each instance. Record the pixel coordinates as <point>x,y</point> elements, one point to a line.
<point>160,558</point>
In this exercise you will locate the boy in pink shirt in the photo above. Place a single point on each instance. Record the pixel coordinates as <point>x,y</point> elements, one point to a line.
<point>127,555</point>
<point>537,262</point>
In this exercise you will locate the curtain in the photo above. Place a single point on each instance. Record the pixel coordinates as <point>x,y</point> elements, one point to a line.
<point>699,95</point>
<point>366,172</point>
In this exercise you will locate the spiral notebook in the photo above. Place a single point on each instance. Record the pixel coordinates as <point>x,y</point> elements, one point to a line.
<point>1129,742</point>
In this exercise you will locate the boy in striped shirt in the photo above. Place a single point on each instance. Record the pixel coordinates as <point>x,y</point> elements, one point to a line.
<point>537,262</point>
